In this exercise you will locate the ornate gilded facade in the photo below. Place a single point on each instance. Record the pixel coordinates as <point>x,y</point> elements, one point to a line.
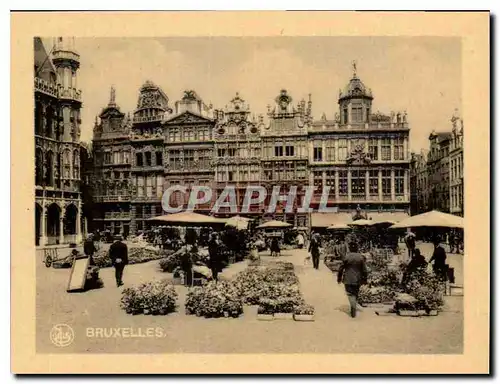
<point>111,181</point>
<point>284,153</point>
<point>237,151</point>
<point>58,205</point>
<point>361,156</point>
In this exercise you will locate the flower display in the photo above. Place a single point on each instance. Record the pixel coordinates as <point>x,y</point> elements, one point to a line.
<point>303,309</point>
<point>135,256</point>
<point>274,287</point>
<point>157,298</point>
<point>214,299</point>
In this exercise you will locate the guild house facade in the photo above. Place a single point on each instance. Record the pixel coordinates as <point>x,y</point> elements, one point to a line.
<point>360,155</point>
<point>58,203</point>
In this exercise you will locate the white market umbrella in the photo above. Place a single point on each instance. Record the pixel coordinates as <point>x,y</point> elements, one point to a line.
<point>431,219</point>
<point>275,224</point>
<point>361,223</point>
<point>334,227</point>
<point>240,223</point>
<point>188,218</point>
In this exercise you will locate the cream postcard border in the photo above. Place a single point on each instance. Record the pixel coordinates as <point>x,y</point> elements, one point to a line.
<point>473,28</point>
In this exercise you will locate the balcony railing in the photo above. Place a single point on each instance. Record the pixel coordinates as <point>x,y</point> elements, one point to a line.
<point>45,87</point>
<point>111,198</point>
<point>56,90</point>
<point>117,215</point>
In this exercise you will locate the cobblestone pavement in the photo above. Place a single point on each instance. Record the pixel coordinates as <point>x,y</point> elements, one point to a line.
<point>332,332</point>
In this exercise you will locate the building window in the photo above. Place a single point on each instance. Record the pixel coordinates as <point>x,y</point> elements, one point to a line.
<point>149,185</point>
<point>107,157</point>
<point>189,159</point>
<point>399,182</point>
<point>221,152</point>
<point>173,135</point>
<point>318,154</point>
<point>343,187</point>
<point>318,182</point>
<point>140,186</point>
<point>345,115</point>
<point>301,173</point>
<point>138,158</point>
<point>367,115</point>
<point>386,149</point>
<point>357,114</point>
<point>343,149</point>
<point>231,152</point>
<point>399,149</point>
<point>373,180</point>
<point>330,151</point>
<point>330,182</point>
<point>230,176</point>
<point>159,158</point>
<point>278,151</point>
<point>373,149</point>
<point>289,150</point>
<point>148,158</point>
<point>175,159</point>
<point>358,184</point>
<point>386,183</point>
<point>204,160</point>
<point>126,157</point>
<point>289,170</point>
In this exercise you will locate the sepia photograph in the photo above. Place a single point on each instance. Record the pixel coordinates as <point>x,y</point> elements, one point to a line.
<point>240,195</point>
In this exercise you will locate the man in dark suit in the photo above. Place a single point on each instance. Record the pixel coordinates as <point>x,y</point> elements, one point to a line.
<point>353,273</point>
<point>118,253</point>
<point>89,248</point>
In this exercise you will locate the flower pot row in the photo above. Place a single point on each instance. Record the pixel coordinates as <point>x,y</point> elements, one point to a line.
<point>285,316</point>
<point>417,313</point>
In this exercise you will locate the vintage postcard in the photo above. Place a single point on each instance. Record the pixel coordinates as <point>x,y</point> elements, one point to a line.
<point>250,192</point>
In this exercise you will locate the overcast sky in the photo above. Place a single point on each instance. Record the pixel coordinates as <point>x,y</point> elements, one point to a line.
<point>419,75</point>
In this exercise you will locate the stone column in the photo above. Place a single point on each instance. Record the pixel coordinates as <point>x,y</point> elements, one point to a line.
<point>43,226</point>
<point>337,185</point>
<point>393,186</point>
<point>61,228</point>
<point>349,185</point>
<point>78,238</point>
<point>336,143</point>
<point>380,198</point>
<point>406,189</point>
<point>379,149</point>
<point>324,178</point>
<point>405,148</point>
<point>367,185</point>
<point>392,149</point>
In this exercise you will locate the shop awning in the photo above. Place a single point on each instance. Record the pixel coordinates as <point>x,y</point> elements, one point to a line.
<point>324,220</point>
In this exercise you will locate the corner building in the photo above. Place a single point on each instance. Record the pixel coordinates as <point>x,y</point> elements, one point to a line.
<point>58,203</point>
<point>362,157</point>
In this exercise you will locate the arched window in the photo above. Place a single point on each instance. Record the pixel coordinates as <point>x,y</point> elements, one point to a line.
<point>66,164</point>
<point>76,164</point>
<point>49,168</point>
<point>38,166</point>
<point>49,119</point>
<point>38,119</point>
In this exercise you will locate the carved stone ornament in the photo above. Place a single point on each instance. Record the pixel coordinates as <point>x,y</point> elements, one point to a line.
<point>358,155</point>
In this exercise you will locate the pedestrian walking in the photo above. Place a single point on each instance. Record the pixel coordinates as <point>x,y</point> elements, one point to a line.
<point>214,254</point>
<point>410,244</point>
<point>439,258</point>
<point>89,248</point>
<point>118,253</point>
<point>353,273</point>
<point>314,250</point>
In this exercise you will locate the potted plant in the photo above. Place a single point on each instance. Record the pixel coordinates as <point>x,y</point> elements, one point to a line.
<point>303,312</point>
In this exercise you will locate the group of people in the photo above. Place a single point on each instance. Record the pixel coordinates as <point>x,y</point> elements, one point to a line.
<point>353,272</point>
<point>118,253</point>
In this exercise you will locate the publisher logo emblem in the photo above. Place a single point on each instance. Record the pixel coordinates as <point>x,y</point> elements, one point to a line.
<point>62,335</point>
